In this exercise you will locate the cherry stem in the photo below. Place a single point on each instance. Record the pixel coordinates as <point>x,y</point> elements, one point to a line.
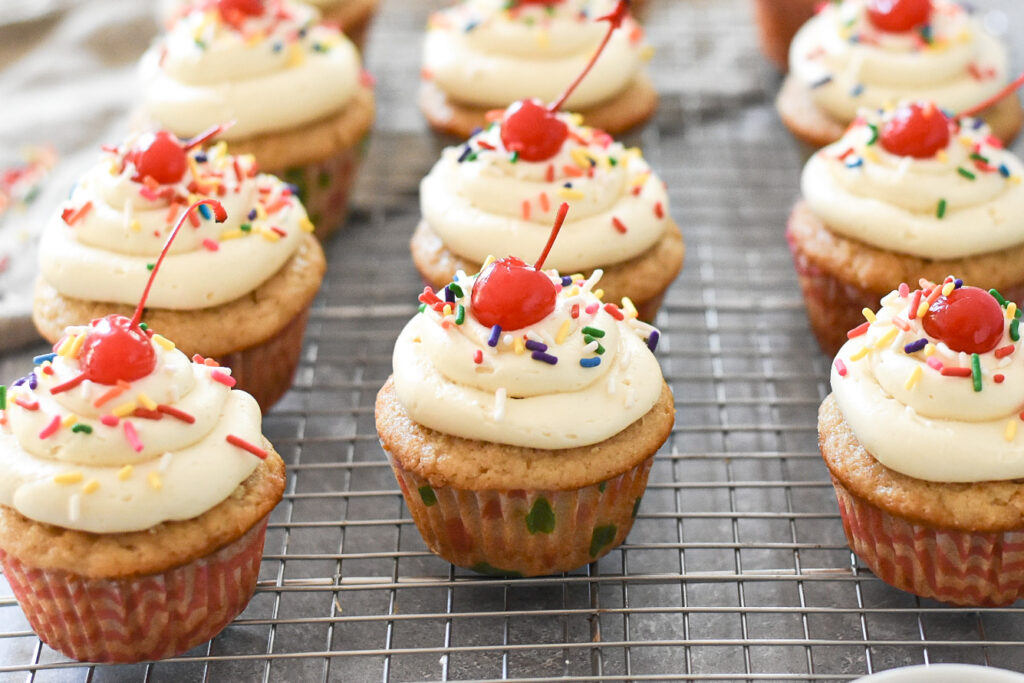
<point>206,135</point>
<point>219,213</point>
<point>614,19</point>
<point>995,98</point>
<point>559,219</point>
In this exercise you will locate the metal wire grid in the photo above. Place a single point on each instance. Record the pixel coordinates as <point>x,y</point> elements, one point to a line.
<point>736,569</point>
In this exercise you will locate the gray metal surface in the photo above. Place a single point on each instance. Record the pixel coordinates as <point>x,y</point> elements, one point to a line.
<point>737,567</point>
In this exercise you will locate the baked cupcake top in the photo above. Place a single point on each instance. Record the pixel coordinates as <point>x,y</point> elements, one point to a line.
<point>500,190</point>
<point>859,53</point>
<point>117,431</point>
<point>916,181</point>
<point>528,358</point>
<point>492,52</point>
<point>266,65</point>
<point>101,245</point>
<point>933,384</point>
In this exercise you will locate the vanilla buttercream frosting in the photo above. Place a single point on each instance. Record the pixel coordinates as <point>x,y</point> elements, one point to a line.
<point>267,73</point>
<point>966,199</point>
<point>110,459</point>
<point>480,198</point>
<point>924,409</point>
<point>488,54</point>
<point>103,242</point>
<point>579,376</point>
<point>849,63</point>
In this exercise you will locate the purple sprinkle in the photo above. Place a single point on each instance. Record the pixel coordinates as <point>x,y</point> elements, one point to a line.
<point>958,283</point>
<point>495,335</point>
<point>476,130</point>
<point>20,382</point>
<point>252,215</point>
<point>566,281</point>
<point>915,346</point>
<point>33,381</point>
<point>293,188</point>
<point>567,185</point>
<point>652,341</point>
<point>536,345</point>
<point>465,153</point>
<point>200,157</point>
<point>822,82</point>
<point>449,296</point>
<point>545,357</point>
<point>978,123</point>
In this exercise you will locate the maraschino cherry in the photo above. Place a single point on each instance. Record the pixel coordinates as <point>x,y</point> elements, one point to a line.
<point>537,133</point>
<point>250,8</point>
<point>116,348</point>
<point>918,129</point>
<point>897,16</point>
<point>511,294</point>
<point>163,157</point>
<point>968,319</point>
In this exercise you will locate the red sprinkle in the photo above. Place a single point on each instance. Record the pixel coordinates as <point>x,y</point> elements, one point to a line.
<point>659,210</point>
<point>246,446</point>
<point>174,412</point>
<point>132,437</point>
<point>592,308</point>
<point>545,203</point>
<point>840,367</point>
<point>278,230</point>
<point>575,310</point>
<point>858,331</point>
<point>224,378</point>
<point>526,209</point>
<point>998,379</point>
<point>478,357</point>
<point>613,311</point>
<point>51,428</point>
<point>47,369</point>
<point>34,405</point>
<point>915,303</point>
<point>1004,351</point>
<point>483,144</point>
<point>210,244</point>
<point>550,174</point>
<point>146,414</point>
<point>956,372</point>
<point>110,420</point>
<point>618,225</point>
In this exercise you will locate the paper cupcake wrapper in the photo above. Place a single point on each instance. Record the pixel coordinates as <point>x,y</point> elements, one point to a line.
<point>524,533</point>
<point>138,618</point>
<point>325,187</point>
<point>958,567</point>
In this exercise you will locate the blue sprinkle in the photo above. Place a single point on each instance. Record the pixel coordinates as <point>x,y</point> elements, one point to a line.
<point>1004,170</point>
<point>470,26</point>
<point>277,47</point>
<point>568,185</point>
<point>449,296</point>
<point>821,82</point>
<point>536,345</point>
<point>475,131</point>
<point>958,283</point>
<point>465,153</point>
<point>590,362</point>
<point>544,357</point>
<point>856,163</point>
<point>293,188</point>
<point>495,335</point>
<point>977,123</point>
<point>857,90</point>
<point>915,346</point>
<point>39,360</point>
<point>200,157</point>
<point>566,281</point>
<point>652,341</point>
<point>302,32</point>
<point>204,210</point>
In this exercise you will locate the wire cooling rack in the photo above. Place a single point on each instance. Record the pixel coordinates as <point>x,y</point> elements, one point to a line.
<point>736,568</point>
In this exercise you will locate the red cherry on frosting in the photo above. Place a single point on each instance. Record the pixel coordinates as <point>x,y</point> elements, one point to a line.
<point>918,130</point>
<point>512,294</point>
<point>533,131</point>
<point>160,156</point>
<point>252,8</point>
<point>115,349</point>
<point>897,16</point>
<point>968,319</point>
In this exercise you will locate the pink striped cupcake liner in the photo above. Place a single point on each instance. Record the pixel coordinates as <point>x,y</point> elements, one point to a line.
<point>138,618</point>
<point>524,533</point>
<point>959,567</point>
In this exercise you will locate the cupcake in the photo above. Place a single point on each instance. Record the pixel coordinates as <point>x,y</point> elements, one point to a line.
<point>920,435</point>
<point>871,53</point>
<point>135,487</point>
<point>499,191</point>
<point>522,419</point>
<point>486,54</point>
<point>777,23</point>
<point>294,88</point>
<point>906,193</point>
<point>238,291</point>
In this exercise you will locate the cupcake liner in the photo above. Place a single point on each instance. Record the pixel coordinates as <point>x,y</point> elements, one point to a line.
<point>959,567</point>
<point>524,533</point>
<point>266,370</point>
<point>138,618</point>
<point>324,187</point>
<point>777,22</point>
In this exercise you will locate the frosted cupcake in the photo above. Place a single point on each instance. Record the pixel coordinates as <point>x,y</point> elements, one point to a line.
<point>131,477</point>
<point>922,437</point>
<point>522,420</point>
<point>486,54</point>
<point>871,53</point>
<point>905,193</point>
<point>293,87</point>
<point>238,291</point>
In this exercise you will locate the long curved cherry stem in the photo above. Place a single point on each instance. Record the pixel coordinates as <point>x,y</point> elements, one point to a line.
<point>614,19</point>
<point>559,219</point>
<point>219,213</point>
<point>992,100</point>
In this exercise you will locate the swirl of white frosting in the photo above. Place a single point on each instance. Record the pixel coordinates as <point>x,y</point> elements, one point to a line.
<point>850,63</point>
<point>968,199</point>
<point>916,420</point>
<point>487,203</point>
<point>105,254</point>
<point>272,72</point>
<point>481,54</point>
<point>105,474</point>
<point>449,378</point>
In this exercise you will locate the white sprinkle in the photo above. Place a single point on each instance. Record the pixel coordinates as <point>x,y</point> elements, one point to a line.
<point>592,280</point>
<point>75,507</point>
<point>630,397</point>
<point>165,461</point>
<point>499,404</point>
<point>611,386</point>
<point>591,347</point>
<point>129,214</point>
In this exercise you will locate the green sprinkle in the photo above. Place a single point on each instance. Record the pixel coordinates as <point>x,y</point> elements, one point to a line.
<point>428,496</point>
<point>150,266</point>
<point>602,486</point>
<point>245,227</point>
<point>456,290</point>
<point>978,157</point>
<point>1015,329</point>
<point>423,307</point>
<point>941,211</point>
<point>874,134</point>
<point>612,161</point>
<point>965,173</point>
<point>599,350</point>
<point>81,428</point>
<point>593,332</point>
<point>976,371</point>
<point>999,297</point>
<point>3,397</point>
<point>488,570</point>
<point>515,157</point>
<point>143,326</point>
<point>603,535</point>
<point>472,156</point>
<point>460,315</point>
<point>636,506</point>
<point>1018,313</point>
<point>541,517</point>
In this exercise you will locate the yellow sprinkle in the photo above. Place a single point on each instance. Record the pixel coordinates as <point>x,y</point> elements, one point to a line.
<point>1015,179</point>
<point>220,149</point>
<point>576,119</point>
<point>581,157</point>
<point>915,375</point>
<point>1011,430</point>
<point>887,338</point>
<point>154,481</point>
<point>929,350</point>
<point>574,291</point>
<point>1011,310</point>
<point>869,314</point>
<point>447,310</point>
<point>966,141</point>
<point>67,478</point>
<point>563,332</point>
<point>647,53</point>
<point>922,309</point>
<point>489,260</point>
<point>569,193</point>
<point>91,486</point>
<point>135,225</point>
<point>231,235</point>
<point>947,288</point>
<point>543,38</point>
<point>864,350</point>
<point>599,293</point>
<point>261,212</point>
<point>640,179</point>
<point>125,473</point>
<point>269,235</point>
<point>164,342</point>
<point>296,57</point>
<point>629,307</point>
<point>942,156</point>
<point>193,167</point>
<point>65,346</point>
<point>306,225</point>
<point>519,345</point>
<point>124,409</point>
<point>69,420</point>
<point>76,348</point>
<point>871,155</point>
<point>146,401</point>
